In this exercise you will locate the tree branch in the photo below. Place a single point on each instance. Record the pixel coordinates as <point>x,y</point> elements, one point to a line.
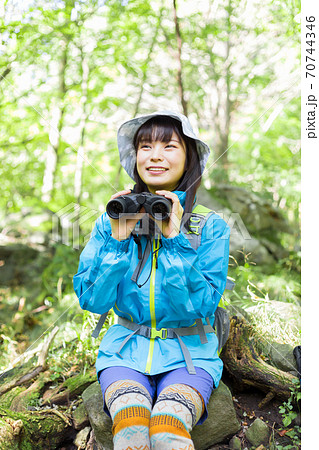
<point>5,73</point>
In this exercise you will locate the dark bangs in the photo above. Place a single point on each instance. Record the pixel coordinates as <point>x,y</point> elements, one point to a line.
<point>159,128</point>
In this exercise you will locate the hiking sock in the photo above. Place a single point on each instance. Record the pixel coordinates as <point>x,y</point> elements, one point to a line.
<point>177,409</point>
<point>129,404</point>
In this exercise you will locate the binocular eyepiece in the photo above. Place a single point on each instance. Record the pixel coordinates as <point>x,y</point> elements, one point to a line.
<point>157,206</point>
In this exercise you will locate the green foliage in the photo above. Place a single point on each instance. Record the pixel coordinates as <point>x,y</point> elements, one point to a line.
<point>265,282</point>
<point>278,148</point>
<point>289,411</point>
<point>58,275</point>
<point>75,347</point>
<point>256,287</point>
<point>44,53</point>
<point>47,104</point>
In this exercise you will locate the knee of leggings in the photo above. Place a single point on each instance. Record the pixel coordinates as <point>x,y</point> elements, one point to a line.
<point>129,403</point>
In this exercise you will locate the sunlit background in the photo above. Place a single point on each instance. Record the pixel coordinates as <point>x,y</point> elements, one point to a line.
<point>71,73</point>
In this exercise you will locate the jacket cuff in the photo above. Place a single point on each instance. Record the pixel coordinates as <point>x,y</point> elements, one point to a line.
<point>110,245</point>
<point>118,247</point>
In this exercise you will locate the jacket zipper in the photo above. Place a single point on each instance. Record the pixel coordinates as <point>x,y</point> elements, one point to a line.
<point>152,306</point>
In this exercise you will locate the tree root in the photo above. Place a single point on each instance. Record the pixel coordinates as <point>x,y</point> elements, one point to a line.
<point>246,366</point>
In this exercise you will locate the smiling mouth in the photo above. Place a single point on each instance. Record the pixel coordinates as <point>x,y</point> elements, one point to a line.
<point>156,169</point>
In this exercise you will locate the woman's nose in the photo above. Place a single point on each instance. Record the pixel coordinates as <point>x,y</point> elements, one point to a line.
<point>157,152</point>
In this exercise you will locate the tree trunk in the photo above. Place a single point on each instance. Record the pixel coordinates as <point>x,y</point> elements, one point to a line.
<point>246,366</point>
<point>148,59</point>
<point>179,62</point>
<point>83,121</point>
<point>56,126</point>
<point>80,153</point>
<point>223,111</point>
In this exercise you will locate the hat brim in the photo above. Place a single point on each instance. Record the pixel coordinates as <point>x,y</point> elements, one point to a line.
<point>127,131</point>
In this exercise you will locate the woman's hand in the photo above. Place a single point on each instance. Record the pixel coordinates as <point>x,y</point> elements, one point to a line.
<point>171,227</point>
<point>122,227</point>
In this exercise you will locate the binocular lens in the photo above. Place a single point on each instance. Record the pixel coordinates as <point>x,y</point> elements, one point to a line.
<point>160,208</point>
<point>115,208</point>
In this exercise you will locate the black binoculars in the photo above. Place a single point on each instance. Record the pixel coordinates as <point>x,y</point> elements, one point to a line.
<point>157,206</point>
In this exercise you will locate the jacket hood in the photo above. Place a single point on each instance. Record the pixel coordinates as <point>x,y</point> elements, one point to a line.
<point>127,131</point>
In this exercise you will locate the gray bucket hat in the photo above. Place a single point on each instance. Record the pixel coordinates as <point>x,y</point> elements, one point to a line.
<point>126,133</point>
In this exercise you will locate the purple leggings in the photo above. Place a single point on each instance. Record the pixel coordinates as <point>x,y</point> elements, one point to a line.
<point>202,382</point>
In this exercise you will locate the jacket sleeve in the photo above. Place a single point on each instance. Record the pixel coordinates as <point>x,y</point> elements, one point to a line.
<point>195,280</point>
<point>103,262</point>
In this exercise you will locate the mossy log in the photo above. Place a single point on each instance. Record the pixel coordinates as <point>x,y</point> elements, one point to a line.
<point>32,394</point>
<point>34,430</point>
<point>71,388</point>
<point>27,372</point>
<point>19,375</point>
<point>24,424</point>
<point>246,366</point>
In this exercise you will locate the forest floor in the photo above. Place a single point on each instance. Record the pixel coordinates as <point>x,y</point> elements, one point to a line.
<point>246,404</point>
<point>247,409</point>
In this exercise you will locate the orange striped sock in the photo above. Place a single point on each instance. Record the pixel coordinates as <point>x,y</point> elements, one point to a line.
<point>129,404</point>
<point>130,417</point>
<point>177,409</point>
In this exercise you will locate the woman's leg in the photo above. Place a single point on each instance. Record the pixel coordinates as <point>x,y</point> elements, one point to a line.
<point>177,409</point>
<point>129,404</point>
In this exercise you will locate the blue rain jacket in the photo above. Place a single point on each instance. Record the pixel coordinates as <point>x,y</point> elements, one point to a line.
<point>186,285</point>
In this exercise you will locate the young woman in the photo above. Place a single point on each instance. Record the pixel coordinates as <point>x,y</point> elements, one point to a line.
<point>155,369</point>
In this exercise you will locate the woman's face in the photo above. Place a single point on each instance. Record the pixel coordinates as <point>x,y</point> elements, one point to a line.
<point>161,164</point>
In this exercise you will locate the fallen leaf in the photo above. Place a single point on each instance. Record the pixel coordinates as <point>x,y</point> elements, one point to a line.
<point>283,432</point>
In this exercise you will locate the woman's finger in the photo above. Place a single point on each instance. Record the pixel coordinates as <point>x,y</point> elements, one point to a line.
<point>168,194</point>
<point>124,192</point>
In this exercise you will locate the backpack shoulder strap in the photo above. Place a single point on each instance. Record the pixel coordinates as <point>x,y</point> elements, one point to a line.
<point>197,220</point>
<point>200,209</point>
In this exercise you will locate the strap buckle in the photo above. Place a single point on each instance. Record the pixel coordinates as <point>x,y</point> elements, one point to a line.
<point>159,333</point>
